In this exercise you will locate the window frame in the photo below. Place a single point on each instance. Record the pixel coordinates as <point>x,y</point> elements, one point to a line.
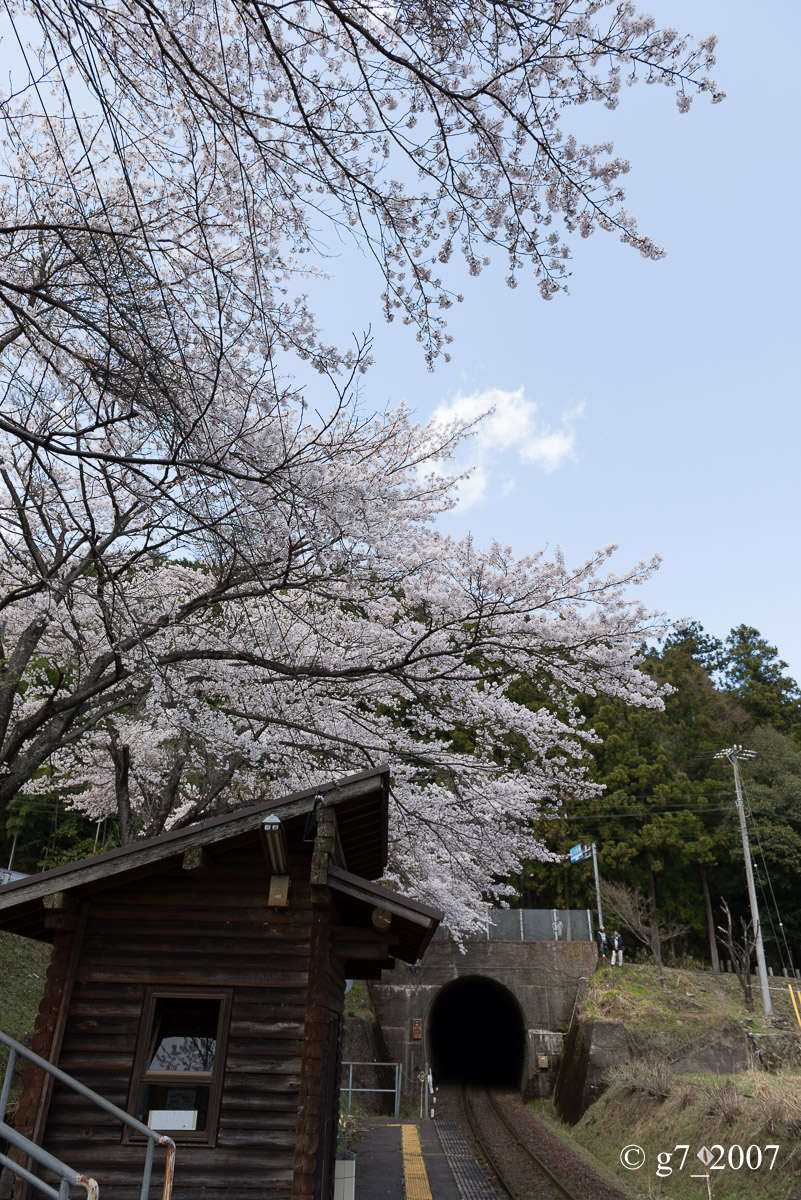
<point>141,1075</point>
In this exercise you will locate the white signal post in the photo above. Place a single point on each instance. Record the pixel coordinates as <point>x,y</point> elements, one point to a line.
<point>734,754</point>
<point>597,886</point>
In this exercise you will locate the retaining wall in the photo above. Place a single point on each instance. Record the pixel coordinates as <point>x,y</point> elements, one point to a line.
<point>542,976</point>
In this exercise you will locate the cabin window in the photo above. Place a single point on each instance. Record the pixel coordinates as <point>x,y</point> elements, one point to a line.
<point>180,1063</point>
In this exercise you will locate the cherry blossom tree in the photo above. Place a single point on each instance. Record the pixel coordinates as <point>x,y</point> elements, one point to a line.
<point>218,582</point>
<point>348,632</point>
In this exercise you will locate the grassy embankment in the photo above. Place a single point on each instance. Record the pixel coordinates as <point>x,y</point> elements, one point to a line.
<point>650,1107</point>
<point>689,1004</point>
<point>23,964</point>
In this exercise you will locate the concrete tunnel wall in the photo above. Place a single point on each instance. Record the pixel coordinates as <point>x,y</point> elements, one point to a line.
<point>541,978</point>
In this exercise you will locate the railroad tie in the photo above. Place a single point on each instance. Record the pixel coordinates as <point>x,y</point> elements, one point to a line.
<point>414,1168</point>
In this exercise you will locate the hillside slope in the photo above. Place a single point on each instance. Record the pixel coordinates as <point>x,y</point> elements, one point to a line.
<point>23,964</point>
<point>666,1090</point>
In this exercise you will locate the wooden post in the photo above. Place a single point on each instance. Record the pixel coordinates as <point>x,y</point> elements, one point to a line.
<point>309,1097</point>
<point>323,845</point>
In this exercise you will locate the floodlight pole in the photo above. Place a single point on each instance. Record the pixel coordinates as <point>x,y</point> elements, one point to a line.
<point>732,754</point>
<point>597,886</point>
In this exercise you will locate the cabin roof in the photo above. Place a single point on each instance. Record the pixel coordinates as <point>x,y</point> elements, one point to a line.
<point>413,924</point>
<point>360,802</point>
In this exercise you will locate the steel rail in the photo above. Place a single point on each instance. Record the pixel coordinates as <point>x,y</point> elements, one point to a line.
<point>484,1146</point>
<point>491,1157</point>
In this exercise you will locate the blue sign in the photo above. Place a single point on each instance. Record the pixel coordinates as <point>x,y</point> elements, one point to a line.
<point>576,853</point>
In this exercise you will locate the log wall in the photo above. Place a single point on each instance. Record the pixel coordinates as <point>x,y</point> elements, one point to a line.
<point>173,930</point>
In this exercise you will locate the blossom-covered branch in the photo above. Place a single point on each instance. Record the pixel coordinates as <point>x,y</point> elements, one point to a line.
<point>310,627</point>
<point>171,178</point>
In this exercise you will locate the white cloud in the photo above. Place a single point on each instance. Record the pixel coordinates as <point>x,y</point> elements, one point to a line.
<point>509,435</point>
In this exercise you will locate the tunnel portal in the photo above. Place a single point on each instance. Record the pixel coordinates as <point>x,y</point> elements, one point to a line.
<point>476,1034</point>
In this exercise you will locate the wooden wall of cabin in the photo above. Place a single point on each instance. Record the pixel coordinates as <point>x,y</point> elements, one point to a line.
<point>175,930</point>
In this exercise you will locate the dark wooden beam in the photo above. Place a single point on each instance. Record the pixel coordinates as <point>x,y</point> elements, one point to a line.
<point>54,1050</point>
<point>196,862</point>
<point>361,950</point>
<point>60,902</point>
<point>59,922</point>
<point>324,841</point>
<point>358,933</point>
<point>359,969</point>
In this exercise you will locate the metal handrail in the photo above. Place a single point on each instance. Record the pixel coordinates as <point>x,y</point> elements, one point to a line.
<point>395,1090</point>
<point>67,1174</point>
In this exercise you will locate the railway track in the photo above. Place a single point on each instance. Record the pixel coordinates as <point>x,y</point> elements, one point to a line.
<point>509,1156</point>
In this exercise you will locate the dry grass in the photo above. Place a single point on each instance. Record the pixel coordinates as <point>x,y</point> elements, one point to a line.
<point>777,1102</point>
<point>649,1105</point>
<point>650,1075</point>
<point>723,1099</point>
<point>752,1108</point>
<point>689,1003</point>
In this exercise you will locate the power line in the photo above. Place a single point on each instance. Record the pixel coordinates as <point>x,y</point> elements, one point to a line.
<point>650,812</point>
<point>657,812</point>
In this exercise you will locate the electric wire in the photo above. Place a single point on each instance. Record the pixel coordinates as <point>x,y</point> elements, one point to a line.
<point>767,908</point>
<point>650,812</point>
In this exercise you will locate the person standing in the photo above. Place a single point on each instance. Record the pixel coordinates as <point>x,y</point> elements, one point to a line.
<point>617,948</point>
<point>603,942</point>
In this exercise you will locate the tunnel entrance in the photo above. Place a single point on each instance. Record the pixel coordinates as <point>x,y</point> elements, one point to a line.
<point>476,1034</point>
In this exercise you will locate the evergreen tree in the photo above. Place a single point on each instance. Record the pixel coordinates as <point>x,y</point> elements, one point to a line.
<point>754,673</point>
<point>658,823</point>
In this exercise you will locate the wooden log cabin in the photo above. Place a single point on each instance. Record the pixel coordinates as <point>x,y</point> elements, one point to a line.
<point>197,981</point>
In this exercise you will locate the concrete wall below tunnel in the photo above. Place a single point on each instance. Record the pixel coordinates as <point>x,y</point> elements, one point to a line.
<point>542,977</point>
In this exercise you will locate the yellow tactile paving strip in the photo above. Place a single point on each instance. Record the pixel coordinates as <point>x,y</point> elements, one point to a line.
<point>414,1169</point>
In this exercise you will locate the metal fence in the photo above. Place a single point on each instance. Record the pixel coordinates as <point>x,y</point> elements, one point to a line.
<point>533,925</point>
<point>348,1087</point>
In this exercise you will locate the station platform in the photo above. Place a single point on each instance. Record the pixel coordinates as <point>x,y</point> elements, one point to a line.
<point>417,1160</point>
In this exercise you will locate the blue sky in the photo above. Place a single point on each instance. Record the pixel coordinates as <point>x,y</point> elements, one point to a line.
<point>671,387</point>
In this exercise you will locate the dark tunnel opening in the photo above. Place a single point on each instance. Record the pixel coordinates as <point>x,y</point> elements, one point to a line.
<point>476,1035</point>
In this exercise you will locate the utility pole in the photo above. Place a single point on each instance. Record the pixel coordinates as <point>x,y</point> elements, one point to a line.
<point>597,885</point>
<point>734,754</point>
<point>577,854</point>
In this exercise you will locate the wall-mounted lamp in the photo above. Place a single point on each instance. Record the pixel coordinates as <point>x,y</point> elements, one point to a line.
<point>273,840</point>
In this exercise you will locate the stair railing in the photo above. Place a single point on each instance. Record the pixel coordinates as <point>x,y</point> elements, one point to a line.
<point>69,1177</point>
